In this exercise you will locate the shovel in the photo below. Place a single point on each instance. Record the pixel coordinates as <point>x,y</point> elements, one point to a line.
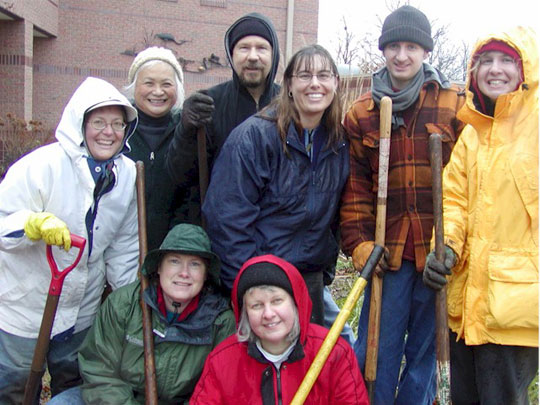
<point>42,345</point>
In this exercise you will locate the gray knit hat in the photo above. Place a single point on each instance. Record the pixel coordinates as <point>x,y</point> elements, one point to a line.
<point>155,53</point>
<point>407,24</point>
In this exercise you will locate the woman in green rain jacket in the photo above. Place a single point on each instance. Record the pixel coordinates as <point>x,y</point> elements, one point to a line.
<point>189,318</point>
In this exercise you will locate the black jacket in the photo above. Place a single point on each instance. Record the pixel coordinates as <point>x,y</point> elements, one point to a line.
<point>166,204</point>
<point>233,105</point>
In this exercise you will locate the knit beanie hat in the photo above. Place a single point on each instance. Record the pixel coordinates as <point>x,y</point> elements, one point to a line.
<point>155,53</point>
<point>249,26</point>
<point>262,273</point>
<point>406,24</point>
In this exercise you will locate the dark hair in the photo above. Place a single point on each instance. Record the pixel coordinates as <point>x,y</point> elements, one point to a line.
<point>285,108</point>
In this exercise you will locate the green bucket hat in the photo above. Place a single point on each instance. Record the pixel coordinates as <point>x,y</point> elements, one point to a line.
<point>185,239</point>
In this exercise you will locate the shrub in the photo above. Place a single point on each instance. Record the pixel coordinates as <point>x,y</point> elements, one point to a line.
<point>17,138</point>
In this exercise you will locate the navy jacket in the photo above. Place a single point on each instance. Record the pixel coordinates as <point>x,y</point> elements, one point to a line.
<point>262,199</point>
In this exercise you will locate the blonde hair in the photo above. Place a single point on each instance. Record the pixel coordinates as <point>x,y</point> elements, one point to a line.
<point>245,332</point>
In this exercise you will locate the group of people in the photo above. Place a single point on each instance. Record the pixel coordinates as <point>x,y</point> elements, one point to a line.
<point>292,182</point>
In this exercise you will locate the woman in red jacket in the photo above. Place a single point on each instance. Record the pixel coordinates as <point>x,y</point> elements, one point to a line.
<point>267,359</point>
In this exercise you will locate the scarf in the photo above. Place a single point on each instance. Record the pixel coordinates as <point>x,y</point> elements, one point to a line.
<point>404,98</point>
<point>104,177</point>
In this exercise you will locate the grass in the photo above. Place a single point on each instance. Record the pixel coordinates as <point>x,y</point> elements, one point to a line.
<point>345,278</point>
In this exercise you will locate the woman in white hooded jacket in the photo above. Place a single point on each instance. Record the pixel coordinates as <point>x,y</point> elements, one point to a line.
<point>82,184</point>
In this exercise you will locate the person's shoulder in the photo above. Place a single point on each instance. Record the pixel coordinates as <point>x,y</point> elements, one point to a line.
<point>126,165</point>
<point>126,293</point>
<point>363,103</point>
<point>316,335</point>
<point>253,129</point>
<point>228,348</point>
<point>226,315</point>
<point>45,159</point>
<point>220,90</point>
<point>454,88</point>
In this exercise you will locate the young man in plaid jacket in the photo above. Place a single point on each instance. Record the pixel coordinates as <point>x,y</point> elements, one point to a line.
<point>424,102</point>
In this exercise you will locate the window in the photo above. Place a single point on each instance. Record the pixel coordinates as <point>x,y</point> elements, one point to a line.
<point>214,3</point>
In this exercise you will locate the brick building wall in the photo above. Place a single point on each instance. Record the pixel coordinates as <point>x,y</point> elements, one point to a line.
<point>100,37</point>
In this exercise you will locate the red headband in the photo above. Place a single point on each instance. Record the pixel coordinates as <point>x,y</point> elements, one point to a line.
<point>500,46</point>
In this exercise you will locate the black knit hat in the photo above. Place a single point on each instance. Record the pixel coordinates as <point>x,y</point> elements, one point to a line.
<point>249,26</point>
<point>407,24</point>
<point>262,273</point>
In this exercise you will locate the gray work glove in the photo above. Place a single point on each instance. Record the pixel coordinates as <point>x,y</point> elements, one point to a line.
<point>435,272</point>
<point>197,111</point>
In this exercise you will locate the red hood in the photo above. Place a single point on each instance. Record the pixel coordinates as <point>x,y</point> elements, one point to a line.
<point>300,292</point>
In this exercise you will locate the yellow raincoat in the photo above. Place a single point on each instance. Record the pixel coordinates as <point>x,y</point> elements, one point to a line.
<point>490,203</point>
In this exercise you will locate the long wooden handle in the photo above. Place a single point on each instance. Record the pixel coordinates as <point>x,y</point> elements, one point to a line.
<point>372,349</point>
<point>51,305</point>
<point>148,338</point>
<point>441,312</point>
<point>333,335</point>
<point>40,352</point>
<point>203,162</point>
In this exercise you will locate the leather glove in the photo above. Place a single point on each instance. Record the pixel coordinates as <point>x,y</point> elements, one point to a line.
<point>44,225</point>
<point>197,111</point>
<point>435,272</point>
<point>361,253</point>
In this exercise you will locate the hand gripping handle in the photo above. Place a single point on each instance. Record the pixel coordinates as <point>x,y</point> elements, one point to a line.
<point>58,276</point>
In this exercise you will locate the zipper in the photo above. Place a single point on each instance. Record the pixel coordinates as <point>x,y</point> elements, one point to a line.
<point>278,383</point>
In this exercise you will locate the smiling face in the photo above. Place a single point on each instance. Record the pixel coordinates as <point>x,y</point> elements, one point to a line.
<point>271,313</point>
<point>252,61</point>
<point>155,89</point>
<point>103,143</point>
<point>403,61</point>
<point>497,73</point>
<point>312,95</point>
<point>181,278</point>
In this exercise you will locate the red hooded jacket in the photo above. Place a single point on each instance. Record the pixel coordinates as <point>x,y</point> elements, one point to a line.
<point>237,373</point>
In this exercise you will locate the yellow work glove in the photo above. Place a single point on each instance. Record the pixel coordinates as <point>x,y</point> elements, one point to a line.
<point>44,225</point>
<point>361,253</point>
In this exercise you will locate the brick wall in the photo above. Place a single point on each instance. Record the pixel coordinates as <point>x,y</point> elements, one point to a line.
<point>94,35</point>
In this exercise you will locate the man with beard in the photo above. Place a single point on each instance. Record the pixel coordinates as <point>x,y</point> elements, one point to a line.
<point>252,49</point>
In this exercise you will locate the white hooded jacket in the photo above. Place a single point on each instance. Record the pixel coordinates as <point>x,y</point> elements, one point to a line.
<point>56,178</point>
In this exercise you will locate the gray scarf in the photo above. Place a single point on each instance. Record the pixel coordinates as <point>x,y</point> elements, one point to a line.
<point>403,99</point>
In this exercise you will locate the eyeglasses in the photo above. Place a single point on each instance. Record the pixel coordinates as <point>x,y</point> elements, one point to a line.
<point>99,125</point>
<point>308,76</point>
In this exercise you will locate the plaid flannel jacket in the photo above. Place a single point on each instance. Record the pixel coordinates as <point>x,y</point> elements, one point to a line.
<point>409,203</point>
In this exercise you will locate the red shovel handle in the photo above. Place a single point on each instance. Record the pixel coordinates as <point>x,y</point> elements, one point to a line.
<point>58,276</point>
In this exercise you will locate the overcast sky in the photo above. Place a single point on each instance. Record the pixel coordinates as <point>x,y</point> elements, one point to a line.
<point>466,19</point>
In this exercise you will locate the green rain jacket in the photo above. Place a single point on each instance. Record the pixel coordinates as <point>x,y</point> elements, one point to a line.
<point>112,357</point>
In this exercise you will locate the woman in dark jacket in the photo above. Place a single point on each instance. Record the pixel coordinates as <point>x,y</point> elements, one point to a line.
<point>156,90</point>
<point>276,185</point>
<point>189,319</point>
<point>266,361</point>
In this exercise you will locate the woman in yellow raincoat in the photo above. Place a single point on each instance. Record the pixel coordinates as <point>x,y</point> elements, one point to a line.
<point>490,204</point>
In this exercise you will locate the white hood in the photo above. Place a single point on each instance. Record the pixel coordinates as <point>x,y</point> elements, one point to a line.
<point>91,92</point>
